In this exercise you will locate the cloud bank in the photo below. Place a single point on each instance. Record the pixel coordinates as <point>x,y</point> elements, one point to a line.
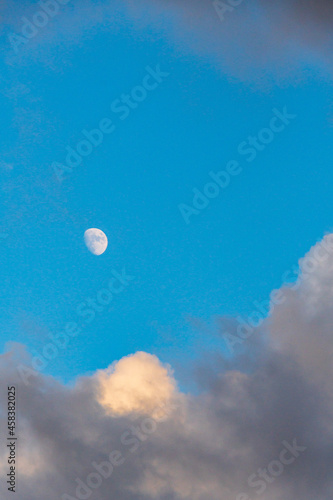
<point>260,424</point>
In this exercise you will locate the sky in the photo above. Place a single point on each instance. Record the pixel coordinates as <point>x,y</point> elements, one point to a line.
<point>208,167</point>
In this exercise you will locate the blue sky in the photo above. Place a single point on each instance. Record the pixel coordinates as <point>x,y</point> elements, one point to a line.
<point>234,252</point>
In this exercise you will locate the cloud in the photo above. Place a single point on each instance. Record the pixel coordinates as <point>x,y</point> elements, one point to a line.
<point>288,16</point>
<point>260,420</point>
<point>245,37</point>
<point>317,12</point>
<point>136,384</point>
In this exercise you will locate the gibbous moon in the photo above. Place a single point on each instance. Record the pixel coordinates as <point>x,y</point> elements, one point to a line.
<point>96,241</point>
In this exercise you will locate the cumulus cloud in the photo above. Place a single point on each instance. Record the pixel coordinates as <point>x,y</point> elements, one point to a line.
<point>261,420</point>
<point>136,384</point>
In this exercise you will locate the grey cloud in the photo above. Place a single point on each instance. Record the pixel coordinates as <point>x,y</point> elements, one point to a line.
<point>295,14</point>
<point>253,38</point>
<point>277,389</point>
<point>256,35</point>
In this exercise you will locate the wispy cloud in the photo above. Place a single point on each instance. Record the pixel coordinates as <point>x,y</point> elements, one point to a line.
<point>254,33</point>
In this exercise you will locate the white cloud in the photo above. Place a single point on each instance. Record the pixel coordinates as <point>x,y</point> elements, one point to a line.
<point>136,384</point>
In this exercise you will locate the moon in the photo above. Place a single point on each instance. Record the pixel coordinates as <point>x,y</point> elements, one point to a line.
<point>96,241</point>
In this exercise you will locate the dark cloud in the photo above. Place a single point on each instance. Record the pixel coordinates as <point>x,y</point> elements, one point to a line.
<point>294,13</point>
<point>314,11</point>
<point>253,38</point>
<point>276,393</point>
<point>255,35</point>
